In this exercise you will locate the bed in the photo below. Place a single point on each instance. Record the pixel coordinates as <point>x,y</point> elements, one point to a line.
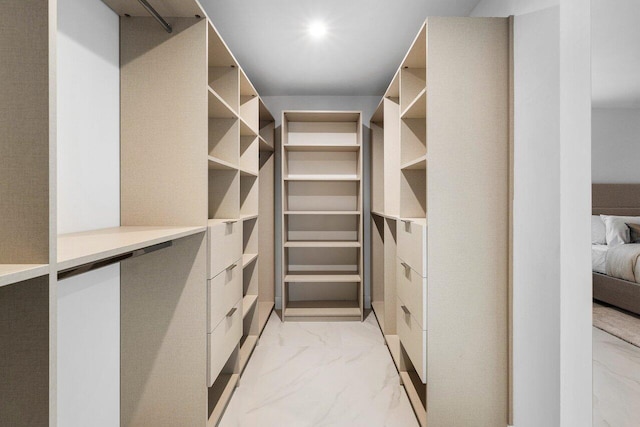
<point>621,200</point>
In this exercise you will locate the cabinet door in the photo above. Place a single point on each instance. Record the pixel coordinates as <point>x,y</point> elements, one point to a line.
<point>225,245</point>
<point>223,340</point>
<point>413,338</point>
<point>412,244</point>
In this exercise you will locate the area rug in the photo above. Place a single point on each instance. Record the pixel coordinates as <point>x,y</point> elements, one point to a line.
<point>621,324</point>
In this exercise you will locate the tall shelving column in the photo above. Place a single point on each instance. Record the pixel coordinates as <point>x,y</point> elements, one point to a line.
<point>27,216</point>
<point>440,164</point>
<point>322,215</point>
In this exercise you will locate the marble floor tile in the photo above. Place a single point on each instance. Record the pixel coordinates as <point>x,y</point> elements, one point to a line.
<point>616,381</point>
<point>320,374</point>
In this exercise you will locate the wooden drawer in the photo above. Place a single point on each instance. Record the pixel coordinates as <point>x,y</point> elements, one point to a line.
<point>412,244</point>
<point>413,338</point>
<point>412,288</point>
<point>223,291</point>
<point>225,245</point>
<point>222,341</point>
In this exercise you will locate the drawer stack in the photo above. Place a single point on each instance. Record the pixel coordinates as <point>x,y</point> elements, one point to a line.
<point>224,294</point>
<point>411,310</point>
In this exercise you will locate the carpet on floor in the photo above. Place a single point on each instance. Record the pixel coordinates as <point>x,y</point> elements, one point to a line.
<point>616,322</point>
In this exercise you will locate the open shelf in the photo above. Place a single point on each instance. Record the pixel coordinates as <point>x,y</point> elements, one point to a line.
<point>264,311</point>
<point>218,107</point>
<point>248,173</point>
<point>378,310</point>
<point>321,178</point>
<point>393,344</point>
<point>248,259</point>
<point>224,194</point>
<point>248,217</point>
<point>246,129</point>
<point>76,249</point>
<point>248,301</point>
<point>322,147</point>
<point>321,276</point>
<point>218,164</point>
<point>322,212</point>
<point>323,309</point>
<point>249,194</point>
<point>220,395</point>
<point>246,349</point>
<point>13,273</point>
<point>419,163</point>
<point>417,109</point>
<point>249,154</point>
<point>264,145</point>
<point>417,393</point>
<point>321,244</point>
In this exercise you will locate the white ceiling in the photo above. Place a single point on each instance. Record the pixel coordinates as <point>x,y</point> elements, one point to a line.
<point>365,44</point>
<point>615,61</point>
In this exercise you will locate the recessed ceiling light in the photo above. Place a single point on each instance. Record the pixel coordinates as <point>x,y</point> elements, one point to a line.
<point>317,29</point>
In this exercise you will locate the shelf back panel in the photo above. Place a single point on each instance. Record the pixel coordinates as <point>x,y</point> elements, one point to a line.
<point>163,127</point>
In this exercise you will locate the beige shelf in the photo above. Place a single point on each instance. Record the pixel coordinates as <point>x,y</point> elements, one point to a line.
<point>321,244</point>
<point>417,109</point>
<point>248,301</point>
<point>321,178</point>
<point>248,259</point>
<point>322,116</point>
<point>218,107</point>
<point>264,311</point>
<point>322,276</point>
<point>264,145</point>
<point>246,130</point>
<point>321,147</point>
<point>323,309</point>
<point>419,163</point>
<point>90,246</point>
<point>13,273</point>
<point>248,217</point>
<point>416,396</point>
<point>393,344</point>
<point>246,349</point>
<point>378,310</point>
<point>221,393</point>
<point>219,164</point>
<point>322,212</point>
<point>245,172</point>
<point>384,215</point>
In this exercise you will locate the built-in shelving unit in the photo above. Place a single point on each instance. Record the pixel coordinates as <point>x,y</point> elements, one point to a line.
<point>322,221</point>
<point>422,195</point>
<point>241,218</point>
<point>196,216</point>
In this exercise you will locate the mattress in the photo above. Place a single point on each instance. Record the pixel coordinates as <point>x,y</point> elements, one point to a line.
<point>599,258</point>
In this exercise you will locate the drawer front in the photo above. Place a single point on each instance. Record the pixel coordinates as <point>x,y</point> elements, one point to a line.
<point>412,245</point>
<point>225,246</point>
<point>223,291</point>
<point>222,341</point>
<point>412,288</point>
<point>413,338</point>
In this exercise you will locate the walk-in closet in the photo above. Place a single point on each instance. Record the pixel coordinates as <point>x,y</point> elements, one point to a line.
<point>178,249</point>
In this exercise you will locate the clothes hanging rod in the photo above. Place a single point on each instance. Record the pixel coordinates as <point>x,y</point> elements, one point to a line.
<point>84,268</point>
<point>156,15</point>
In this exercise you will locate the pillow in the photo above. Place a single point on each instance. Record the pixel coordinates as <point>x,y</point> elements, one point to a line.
<point>617,232</point>
<point>598,231</point>
<point>635,232</point>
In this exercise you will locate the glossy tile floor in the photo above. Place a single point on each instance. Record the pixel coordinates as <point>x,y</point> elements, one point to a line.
<point>306,374</point>
<point>616,381</point>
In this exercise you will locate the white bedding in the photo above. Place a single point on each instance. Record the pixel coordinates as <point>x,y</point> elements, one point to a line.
<point>599,258</point>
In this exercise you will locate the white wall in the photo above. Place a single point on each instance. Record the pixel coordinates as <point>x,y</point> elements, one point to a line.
<point>615,145</point>
<point>366,104</point>
<point>552,202</point>
<point>88,198</point>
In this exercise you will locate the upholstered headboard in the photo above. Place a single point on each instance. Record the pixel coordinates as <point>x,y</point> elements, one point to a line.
<point>616,199</point>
